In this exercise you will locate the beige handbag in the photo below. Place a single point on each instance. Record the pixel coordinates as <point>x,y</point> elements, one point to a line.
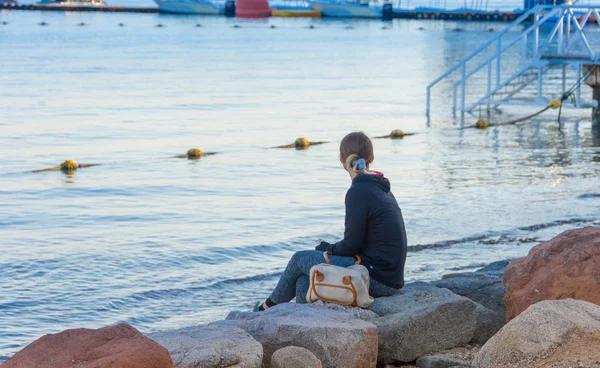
<point>340,285</point>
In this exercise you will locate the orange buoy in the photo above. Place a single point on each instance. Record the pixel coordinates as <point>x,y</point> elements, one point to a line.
<point>252,9</point>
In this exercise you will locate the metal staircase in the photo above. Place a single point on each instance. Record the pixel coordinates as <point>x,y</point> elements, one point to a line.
<point>538,57</point>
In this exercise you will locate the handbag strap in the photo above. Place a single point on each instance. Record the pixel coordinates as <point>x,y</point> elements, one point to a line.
<point>328,261</point>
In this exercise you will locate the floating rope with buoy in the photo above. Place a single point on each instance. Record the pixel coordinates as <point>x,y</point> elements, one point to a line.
<point>395,134</point>
<point>68,167</point>
<point>483,124</point>
<point>553,104</point>
<point>195,154</point>
<point>301,144</point>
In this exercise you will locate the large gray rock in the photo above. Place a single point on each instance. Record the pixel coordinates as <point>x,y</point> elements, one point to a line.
<point>441,361</point>
<point>495,268</point>
<point>360,313</point>
<point>211,346</point>
<point>294,357</point>
<point>539,329</point>
<point>459,357</point>
<point>483,286</point>
<point>421,319</point>
<point>488,323</point>
<point>336,338</point>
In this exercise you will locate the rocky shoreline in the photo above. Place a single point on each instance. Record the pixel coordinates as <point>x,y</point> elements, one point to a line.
<point>550,300</point>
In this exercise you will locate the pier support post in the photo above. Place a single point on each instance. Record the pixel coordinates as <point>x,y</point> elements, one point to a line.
<point>593,80</point>
<point>596,133</point>
<point>596,110</point>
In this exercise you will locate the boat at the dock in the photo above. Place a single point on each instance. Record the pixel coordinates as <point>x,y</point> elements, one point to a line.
<point>349,8</point>
<point>68,3</point>
<point>190,6</point>
<point>284,11</point>
<point>287,8</point>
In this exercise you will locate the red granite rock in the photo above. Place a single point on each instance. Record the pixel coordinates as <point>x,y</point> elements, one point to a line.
<point>568,266</point>
<point>120,346</point>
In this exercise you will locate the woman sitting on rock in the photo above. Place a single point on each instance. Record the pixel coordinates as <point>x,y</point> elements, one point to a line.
<point>374,230</point>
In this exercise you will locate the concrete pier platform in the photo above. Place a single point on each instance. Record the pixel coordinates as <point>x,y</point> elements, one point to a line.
<point>468,16</point>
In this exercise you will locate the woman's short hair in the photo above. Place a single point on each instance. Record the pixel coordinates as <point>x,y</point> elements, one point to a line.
<point>354,146</point>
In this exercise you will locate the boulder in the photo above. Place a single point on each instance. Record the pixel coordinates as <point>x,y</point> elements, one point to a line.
<point>336,338</point>
<point>360,313</point>
<point>211,346</point>
<point>120,346</point>
<point>294,357</point>
<point>564,267</point>
<point>441,361</point>
<point>581,352</point>
<point>460,357</point>
<point>483,286</point>
<point>495,268</point>
<point>532,335</point>
<point>421,319</point>
<point>488,324</point>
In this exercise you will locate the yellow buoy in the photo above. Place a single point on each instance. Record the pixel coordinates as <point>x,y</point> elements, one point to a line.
<point>555,104</point>
<point>482,124</point>
<point>301,143</point>
<point>69,166</point>
<point>397,133</point>
<point>194,153</point>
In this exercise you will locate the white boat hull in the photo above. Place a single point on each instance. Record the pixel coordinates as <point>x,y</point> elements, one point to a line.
<point>328,9</point>
<point>188,7</point>
<point>91,3</point>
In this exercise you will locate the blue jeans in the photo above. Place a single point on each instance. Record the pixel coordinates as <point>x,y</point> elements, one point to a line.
<point>295,282</point>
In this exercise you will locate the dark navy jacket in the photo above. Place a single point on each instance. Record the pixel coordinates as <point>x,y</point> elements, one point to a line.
<point>374,229</point>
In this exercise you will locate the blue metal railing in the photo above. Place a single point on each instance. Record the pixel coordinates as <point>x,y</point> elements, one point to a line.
<point>568,29</point>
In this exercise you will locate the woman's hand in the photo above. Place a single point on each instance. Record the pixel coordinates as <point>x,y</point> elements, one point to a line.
<point>323,246</point>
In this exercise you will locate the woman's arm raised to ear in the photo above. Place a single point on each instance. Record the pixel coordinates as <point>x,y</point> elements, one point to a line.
<point>357,218</point>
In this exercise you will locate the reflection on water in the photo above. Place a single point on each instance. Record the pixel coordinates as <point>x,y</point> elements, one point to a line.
<point>164,243</point>
<point>596,135</point>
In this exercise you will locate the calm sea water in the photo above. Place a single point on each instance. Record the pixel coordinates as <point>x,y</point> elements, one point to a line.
<point>163,243</point>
